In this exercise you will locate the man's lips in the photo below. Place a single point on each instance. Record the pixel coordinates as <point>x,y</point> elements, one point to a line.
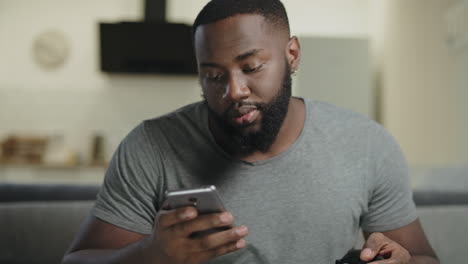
<point>245,115</point>
<point>244,110</point>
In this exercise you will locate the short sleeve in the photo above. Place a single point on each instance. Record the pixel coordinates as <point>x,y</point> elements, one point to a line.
<point>390,203</point>
<point>126,198</point>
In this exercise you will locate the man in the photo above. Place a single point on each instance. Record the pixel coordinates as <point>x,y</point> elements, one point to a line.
<point>300,177</point>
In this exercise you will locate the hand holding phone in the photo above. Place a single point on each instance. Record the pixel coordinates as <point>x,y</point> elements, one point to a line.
<point>188,212</point>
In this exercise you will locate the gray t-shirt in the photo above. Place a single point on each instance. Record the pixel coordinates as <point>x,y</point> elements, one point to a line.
<point>306,205</point>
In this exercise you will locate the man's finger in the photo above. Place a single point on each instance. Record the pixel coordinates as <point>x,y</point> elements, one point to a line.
<point>373,245</point>
<point>205,222</point>
<point>223,250</point>
<point>221,238</point>
<point>229,248</point>
<point>167,219</point>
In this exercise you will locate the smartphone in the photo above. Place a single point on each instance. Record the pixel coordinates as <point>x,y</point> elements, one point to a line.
<point>205,199</point>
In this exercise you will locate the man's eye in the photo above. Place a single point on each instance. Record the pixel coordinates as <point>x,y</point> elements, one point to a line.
<point>214,77</point>
<point>251,70</point>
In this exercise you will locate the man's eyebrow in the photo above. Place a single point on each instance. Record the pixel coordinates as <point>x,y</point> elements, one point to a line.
<point>209,64</point>
<point>240,57</point>
<point>247,54</point>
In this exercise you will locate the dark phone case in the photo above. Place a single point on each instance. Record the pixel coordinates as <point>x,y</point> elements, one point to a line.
<point>353,257</point>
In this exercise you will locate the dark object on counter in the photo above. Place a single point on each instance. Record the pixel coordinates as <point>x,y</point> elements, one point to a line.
<point>24,150</point>
<point>97,153</point>
<point>352,257</point>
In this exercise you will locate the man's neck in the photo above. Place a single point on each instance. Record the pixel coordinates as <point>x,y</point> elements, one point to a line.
<point>288,134</point>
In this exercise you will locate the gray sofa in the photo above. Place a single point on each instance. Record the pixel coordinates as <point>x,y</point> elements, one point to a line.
<point>38,222</point>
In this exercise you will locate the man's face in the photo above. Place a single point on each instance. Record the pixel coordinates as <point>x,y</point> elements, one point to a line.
<point>245,79</point>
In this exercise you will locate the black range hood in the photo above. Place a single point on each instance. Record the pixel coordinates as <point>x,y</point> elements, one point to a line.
<point>149,46</point>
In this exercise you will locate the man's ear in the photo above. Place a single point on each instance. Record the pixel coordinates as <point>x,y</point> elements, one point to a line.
<point>293,53</point>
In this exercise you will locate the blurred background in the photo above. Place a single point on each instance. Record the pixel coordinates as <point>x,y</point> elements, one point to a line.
<point>77,76</point>
<point>62,112</point>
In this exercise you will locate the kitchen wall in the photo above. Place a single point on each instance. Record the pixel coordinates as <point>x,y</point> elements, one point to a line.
<point>307,17</point>
<point>77,100</point>
<point>424,81</point>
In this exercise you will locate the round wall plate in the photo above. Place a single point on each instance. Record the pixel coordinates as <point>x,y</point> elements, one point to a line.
<point>51,49</point>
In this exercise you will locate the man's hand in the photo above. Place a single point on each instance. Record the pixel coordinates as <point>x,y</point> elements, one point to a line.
<point>172,241</point>
<point>379,244</point>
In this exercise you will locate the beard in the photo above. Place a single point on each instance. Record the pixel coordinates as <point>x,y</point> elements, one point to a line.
<point>239,142</point>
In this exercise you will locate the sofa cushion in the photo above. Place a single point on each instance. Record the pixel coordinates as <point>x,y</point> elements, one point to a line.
<point>39,232</point>
<point>446,229</point>
<point>47,192</point>
<point>438,198</point>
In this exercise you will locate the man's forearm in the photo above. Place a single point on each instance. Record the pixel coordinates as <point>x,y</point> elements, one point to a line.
<point>424,260</point>
<point>133,253</point>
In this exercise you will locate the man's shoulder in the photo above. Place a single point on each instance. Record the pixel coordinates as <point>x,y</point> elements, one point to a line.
<point>351,128</point>
<point>176,127</point>
<point>186,111</point>
<point>183,116</point>
<point>186,123</point>
<point>330,117</point>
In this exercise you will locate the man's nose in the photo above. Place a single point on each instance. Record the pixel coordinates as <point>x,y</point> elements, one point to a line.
<point>236,90</point>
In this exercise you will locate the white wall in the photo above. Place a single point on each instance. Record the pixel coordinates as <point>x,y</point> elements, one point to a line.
<point>78,100</point>
<point>425,83</point>
<point>307,17</point>
<point>423,80</point>
<point>337,70</point>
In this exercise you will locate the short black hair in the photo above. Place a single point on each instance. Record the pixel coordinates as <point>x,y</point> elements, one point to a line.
<point>272,10</point>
